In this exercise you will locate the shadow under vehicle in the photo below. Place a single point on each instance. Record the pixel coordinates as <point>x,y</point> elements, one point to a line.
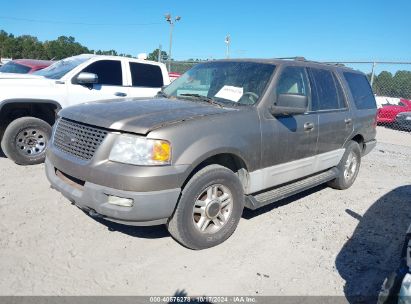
<point>373,251</point>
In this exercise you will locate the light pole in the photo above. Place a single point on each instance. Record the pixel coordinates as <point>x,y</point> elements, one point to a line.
<point>172,21</point>
<point>228,43</point>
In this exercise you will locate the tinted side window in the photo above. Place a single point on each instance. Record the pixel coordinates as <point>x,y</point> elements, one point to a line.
<point>293,80</point>
<point>361,90</point>
<point>342,102</point>
<point>146,75</point>
<point>328,97</point>
<point>108,72</point>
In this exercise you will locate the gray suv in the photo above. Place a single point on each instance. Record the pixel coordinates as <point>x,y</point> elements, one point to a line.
<point>226,135</point>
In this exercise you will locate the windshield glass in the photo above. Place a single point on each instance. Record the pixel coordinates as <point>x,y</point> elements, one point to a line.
<point>13,67</point>
<point>225,81</point>
<point>62,67</point>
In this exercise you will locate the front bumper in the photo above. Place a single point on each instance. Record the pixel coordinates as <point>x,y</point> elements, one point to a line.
<point>149,208</point>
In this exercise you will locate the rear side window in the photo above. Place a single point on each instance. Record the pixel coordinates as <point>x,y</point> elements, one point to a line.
<point>146,75</point>
<point>329,94</point>
<point>108,72</point>
<point>361,90</point>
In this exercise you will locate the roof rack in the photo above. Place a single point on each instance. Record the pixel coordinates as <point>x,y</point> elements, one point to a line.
<point>300,58</point>
<point>296,58</point>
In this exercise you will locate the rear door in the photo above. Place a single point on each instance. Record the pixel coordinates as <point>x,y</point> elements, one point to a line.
<point>364,103</point>
<point>146,79</point>
<point>335,122</point>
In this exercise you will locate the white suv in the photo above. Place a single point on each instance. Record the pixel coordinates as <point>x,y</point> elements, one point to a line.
<point>29,103</point>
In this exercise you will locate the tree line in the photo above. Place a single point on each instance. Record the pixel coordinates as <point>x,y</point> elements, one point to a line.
<point>27,46</point>
<point>393,85</point>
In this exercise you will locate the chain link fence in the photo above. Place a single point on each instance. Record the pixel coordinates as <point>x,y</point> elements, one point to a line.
<point>180,67</point>
<point>391,83</point>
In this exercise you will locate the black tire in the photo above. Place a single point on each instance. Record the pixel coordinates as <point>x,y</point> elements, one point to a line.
<point>343,182</point>
<point>182,225</point>
<point>17,149</point>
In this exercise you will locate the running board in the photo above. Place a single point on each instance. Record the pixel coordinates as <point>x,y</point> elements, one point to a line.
<point>254,202</point>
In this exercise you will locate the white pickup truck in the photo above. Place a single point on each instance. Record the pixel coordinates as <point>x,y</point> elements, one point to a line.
<point>29,103</point>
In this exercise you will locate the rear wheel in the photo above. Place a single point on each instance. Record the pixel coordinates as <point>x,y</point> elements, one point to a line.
<point>209,209</point>
<point>348,167</point>
<point>25,140</point>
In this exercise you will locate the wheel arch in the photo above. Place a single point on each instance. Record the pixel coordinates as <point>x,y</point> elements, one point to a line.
<point>360,140</point>
<point>228,159</point>
<point>11,109</point>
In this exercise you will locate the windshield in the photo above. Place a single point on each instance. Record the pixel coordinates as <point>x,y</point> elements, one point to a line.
<point>62,67</point>
<point>223,81</point>
<point>13,67</point>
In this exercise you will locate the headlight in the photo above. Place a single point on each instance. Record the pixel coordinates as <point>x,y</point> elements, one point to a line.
<point>141,151</point>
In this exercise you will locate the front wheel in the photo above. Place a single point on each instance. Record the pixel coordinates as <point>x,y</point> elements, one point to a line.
<point>209,209</point>
<point>25,140</point>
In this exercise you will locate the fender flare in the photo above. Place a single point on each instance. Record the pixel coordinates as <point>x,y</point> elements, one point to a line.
<point>214,152</point>
<point>30,100</point>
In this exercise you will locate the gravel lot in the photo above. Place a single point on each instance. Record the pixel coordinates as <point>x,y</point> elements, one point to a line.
<point>322,242</point>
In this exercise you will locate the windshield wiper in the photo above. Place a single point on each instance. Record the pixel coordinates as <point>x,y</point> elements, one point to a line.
<point>203,98</point>
<point>162,94</point>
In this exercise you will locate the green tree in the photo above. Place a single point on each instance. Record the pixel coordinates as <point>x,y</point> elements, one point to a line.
<point>401,85</point>
<point>26,46</point>
<point>110,52</point>
<point>8,45</point>
<point>63,47</point>
<point>383,84</point>
<point>398,85</point>
<point>29,47</point>
<point>154,55</point>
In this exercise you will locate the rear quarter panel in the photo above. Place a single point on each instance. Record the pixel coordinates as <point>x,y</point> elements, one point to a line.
<point>364,120</point>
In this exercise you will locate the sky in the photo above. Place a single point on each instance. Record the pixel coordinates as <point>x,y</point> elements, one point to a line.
<point>317,30</point>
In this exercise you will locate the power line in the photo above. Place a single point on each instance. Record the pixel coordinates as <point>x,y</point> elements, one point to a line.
<point>76,23</point>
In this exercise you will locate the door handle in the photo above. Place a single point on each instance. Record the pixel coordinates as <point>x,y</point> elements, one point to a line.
<point>308,126</point>
<point>120,94</point>
<point>348,121</point>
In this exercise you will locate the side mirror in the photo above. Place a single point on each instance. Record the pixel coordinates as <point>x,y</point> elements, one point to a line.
<point>86,78</point>
<point>288,104</point>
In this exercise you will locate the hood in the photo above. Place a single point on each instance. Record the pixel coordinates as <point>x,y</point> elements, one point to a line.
<point>25,86</point>
<point>140,115</point>
<point>19,76</point>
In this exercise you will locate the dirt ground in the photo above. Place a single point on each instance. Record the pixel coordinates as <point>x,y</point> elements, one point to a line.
<point>321,242</point>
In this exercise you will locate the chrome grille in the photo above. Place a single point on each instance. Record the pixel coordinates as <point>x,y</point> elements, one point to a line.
<point>77,139</point>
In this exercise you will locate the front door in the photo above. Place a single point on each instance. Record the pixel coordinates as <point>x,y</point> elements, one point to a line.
<point>111,83</point>
<point>289,143</point>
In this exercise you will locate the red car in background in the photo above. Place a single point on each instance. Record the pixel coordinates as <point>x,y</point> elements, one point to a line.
<point>387,114</point>
<point>24,66</point>
<point>173,76</point>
